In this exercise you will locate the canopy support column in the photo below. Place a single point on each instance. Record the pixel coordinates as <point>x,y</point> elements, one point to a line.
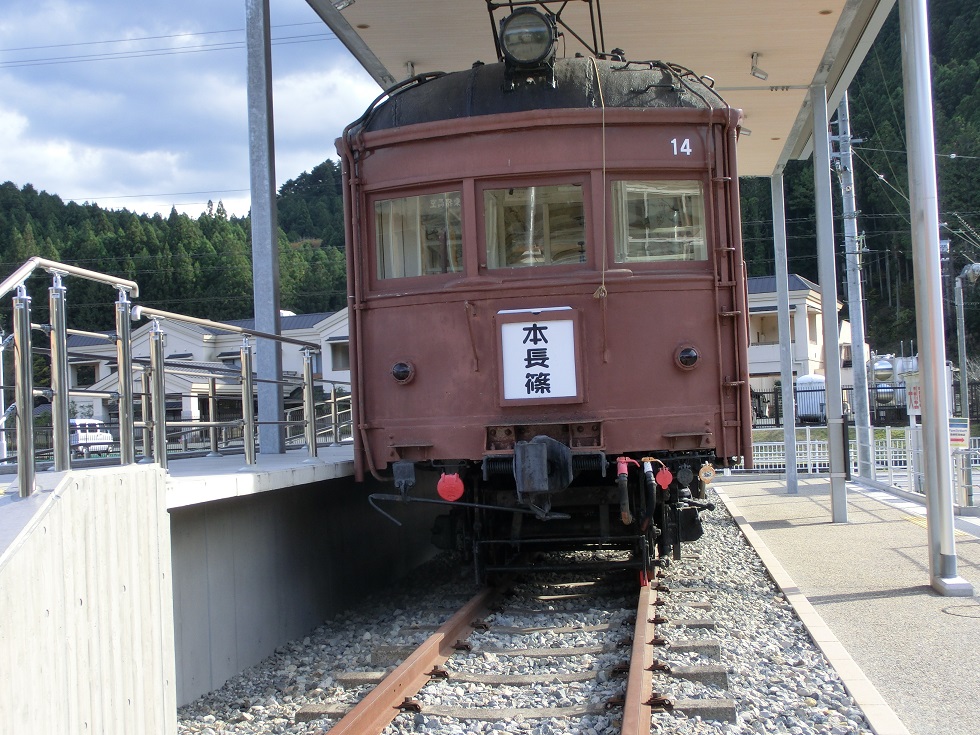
<point>924,203</point>
<point>785,335</point>
<point>826,267</point>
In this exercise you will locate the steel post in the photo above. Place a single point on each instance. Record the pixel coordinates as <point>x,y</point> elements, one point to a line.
<point>248,405</point>
<point>265,242</point>
<point>785,335</point>
<point>826,267</point>
<point>158,395</point>
<point>924,204</point>
<point>213,416</point>
<point>961,346</point>
<point>59,374</point>
<point>964,381</point>
<point>124,358</point>
<point>3,400</point>
<point>24,392</point>
<point>309,402</point>
<point>147,410</point>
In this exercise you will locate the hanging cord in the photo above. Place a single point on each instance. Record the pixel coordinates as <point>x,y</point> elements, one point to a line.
<point>601,293</point>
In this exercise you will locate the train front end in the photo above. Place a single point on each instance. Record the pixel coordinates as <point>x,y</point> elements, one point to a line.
<point>548,303</point>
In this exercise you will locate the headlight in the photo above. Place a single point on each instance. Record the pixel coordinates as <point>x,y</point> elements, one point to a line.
<point>403,372</point>
<point>527,37</point>
<point>687,357</point>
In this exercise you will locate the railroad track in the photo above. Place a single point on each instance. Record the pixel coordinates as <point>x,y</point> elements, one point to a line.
<point>592,651</point>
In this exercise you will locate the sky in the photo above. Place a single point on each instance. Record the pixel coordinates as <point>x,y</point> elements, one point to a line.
<point>142,106</point>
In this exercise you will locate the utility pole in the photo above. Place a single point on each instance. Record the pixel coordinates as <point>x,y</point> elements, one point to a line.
<point>828,295</point>
<point>855,296</point>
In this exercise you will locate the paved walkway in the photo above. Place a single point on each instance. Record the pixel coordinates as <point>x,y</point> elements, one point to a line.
<point>868,581</point>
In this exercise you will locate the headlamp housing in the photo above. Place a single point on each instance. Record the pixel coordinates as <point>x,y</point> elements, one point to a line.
<point>528,38</point>
<point>687,357</point>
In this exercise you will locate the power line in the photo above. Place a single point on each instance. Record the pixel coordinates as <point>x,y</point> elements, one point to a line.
<point>165,194</point>
<point>883,180</point>
<point>951,156</point>
<point>148,38</point>
<point>888,96</point>
<point>147,53</point>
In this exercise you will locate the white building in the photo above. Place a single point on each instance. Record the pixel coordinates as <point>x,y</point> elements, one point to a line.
<point>193,352</point>
<point>806,331</point>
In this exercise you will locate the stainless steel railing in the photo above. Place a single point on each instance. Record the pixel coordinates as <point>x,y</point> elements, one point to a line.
<point>23,358</point>
<point>314,421</point>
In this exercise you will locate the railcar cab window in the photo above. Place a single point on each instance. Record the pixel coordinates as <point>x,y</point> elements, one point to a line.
<point>419,235</point>
<point>658,221</point>
<point>534,225</point>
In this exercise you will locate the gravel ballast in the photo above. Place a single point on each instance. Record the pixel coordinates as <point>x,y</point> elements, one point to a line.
<point>779,679</point>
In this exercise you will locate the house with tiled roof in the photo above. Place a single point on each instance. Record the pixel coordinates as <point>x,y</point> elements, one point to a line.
<point>193,353</point>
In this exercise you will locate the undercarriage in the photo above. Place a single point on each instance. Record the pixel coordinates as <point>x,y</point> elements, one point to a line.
<point>519,512</point>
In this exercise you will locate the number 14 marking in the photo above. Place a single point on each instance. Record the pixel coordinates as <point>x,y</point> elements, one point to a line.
<point>685,146</point>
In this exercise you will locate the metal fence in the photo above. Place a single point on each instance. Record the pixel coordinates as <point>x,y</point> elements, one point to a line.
<point>897,460</point>
<point>322,416</point>
<point>886,403</point>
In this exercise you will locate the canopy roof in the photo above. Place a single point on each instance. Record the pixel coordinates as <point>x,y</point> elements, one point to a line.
<point>799,43</point>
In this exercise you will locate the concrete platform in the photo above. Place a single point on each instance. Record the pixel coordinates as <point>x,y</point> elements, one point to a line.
<point>205,479</point>
<point>910,657</point>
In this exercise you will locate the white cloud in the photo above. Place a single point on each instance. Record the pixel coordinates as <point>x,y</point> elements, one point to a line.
<point>145,133</point>
<point>70,168</point>
<point>312,108</point>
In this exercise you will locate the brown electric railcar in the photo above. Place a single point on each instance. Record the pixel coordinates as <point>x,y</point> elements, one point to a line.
<point>548,302</point>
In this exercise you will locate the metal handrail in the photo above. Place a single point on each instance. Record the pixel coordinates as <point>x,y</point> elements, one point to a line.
<point>144,311</point>
<point>19,276</point>
<point>152,397</point>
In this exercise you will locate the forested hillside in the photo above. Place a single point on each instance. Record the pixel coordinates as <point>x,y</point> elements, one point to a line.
<point>202,265</point>
<point>881,179</point>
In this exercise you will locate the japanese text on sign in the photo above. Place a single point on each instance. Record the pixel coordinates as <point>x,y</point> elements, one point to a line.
<point>539,359</point>
<point>913,394</point>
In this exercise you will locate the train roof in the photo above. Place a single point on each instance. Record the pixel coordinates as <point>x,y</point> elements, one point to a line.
<point>579,83</point>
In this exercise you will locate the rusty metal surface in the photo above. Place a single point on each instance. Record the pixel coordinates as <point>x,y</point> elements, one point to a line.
<point>373,713</point>
<point>446,325</point>
<point>637,710</point>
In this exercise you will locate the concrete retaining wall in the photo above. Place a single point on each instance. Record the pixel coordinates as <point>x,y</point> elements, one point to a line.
<point>253,572</point>
<point>86,610</point>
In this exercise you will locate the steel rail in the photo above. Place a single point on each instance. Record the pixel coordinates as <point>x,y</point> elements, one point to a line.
<point>373,713</point>
<point>639,687</point>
